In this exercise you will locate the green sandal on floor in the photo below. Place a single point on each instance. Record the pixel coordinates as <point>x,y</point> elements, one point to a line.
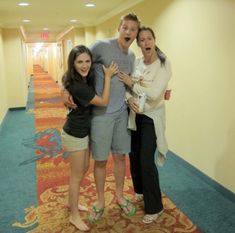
<point>128,208</point>
<point>95,214</point>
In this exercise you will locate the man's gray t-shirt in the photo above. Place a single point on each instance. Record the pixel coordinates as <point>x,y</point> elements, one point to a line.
<point>104,52</point>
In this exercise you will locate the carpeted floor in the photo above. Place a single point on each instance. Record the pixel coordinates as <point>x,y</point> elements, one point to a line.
<point>46,179</point>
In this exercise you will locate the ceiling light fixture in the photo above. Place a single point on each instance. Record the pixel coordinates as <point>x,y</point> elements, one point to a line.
<point>73,20</point>
<point>23,4</point>
<point>90,5</point>
<point>45,29</point>
<point>26,20</point>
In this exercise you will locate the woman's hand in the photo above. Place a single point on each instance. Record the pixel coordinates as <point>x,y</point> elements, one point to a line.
<point>167,94</point>
<point>111,70</point>
<point>126,79</point>
<point>133,105</point>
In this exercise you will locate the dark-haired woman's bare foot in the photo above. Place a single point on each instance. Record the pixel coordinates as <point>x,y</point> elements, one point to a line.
<point>79,224</point>
<point>80,207</point>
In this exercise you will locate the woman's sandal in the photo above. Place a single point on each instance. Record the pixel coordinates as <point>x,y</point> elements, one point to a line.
<point>128,208</point>
<point>95,214</point>
<point>139,197</point>
<point>149,218</point>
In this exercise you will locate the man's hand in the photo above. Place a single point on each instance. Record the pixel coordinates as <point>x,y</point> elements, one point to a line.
<point>167,94</point>
<point>67,99</point>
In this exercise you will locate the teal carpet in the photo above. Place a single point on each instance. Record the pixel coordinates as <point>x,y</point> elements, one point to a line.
<point>18,187</point>
<point>206,203</point>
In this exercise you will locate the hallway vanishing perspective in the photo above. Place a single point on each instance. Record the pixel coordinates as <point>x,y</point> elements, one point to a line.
<point>197,179</point>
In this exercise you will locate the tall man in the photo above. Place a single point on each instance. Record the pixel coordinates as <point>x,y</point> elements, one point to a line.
<point>109,131</point>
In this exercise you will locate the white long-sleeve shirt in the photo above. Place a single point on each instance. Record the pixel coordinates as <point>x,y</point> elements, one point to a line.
<point>154,83</point>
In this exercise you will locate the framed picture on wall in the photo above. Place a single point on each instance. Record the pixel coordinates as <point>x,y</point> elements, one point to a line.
<point>60,57</point>
<point>69,46</point>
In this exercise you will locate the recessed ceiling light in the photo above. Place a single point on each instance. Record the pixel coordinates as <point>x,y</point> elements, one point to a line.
<point>26,20</point>
<point>45,29</point>
<point>23,4</point>
<point>73,20</point>
<point>90,5</point>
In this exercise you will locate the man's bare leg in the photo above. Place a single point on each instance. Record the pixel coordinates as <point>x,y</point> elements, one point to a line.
<point>100,176</point>
<point>119,174</point>
<point>119,171</point>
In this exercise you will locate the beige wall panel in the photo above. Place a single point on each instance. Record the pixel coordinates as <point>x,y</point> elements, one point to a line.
<point>3,93</point>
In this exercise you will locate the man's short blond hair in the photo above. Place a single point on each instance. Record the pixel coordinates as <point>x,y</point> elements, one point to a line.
<point>130,16</point>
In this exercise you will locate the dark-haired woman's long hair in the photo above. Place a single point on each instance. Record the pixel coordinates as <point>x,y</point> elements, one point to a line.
<point>160,54</point>
<point>71,73</point>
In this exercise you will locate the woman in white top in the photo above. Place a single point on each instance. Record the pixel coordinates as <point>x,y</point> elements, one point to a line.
<point>148,143</point>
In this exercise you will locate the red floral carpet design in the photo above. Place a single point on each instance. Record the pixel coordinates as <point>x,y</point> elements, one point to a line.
<point>51,214</point>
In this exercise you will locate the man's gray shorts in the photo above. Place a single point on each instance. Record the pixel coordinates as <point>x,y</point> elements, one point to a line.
<point>109,133</point>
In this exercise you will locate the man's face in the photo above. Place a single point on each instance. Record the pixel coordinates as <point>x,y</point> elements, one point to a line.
<point>127,33</point>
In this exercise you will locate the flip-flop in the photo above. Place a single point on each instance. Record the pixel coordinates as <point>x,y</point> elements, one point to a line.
<point>149,218</point>
<point>128,208</point>
<point>139,197</point>
<point>95,214</point>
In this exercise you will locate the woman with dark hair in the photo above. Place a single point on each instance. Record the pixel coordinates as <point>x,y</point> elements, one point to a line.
<point>79,81</point>
<point>147,87</point>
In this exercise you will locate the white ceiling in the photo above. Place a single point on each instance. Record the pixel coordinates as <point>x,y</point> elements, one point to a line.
<point>56,15</point>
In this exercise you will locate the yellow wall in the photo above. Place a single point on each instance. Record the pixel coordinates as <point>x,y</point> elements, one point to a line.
<point>68,42</point>
<point>108,28</point>
<point>199,39</point>
<point>79,36</point>
<point>53,61</point>
<point>90,35</point>
<point>29,55</point>
<point>3,93</point>
<point>15,69</point>
<point>60,67</point>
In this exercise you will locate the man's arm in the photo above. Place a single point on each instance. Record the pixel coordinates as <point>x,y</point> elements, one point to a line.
<point>67,99</point>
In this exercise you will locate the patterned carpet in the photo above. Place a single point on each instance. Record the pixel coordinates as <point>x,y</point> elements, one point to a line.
<point>51,214</point>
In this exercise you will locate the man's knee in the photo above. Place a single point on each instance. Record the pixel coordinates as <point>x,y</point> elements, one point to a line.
<point>119,158</point>
<point>100,164</point>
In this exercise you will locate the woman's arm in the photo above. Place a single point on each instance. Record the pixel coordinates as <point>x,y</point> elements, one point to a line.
<point>157,88</point>
<point>104,99</point>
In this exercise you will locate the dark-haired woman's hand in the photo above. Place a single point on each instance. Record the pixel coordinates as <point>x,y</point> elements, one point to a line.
<point>111,70</point>
<point>167,94</point>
